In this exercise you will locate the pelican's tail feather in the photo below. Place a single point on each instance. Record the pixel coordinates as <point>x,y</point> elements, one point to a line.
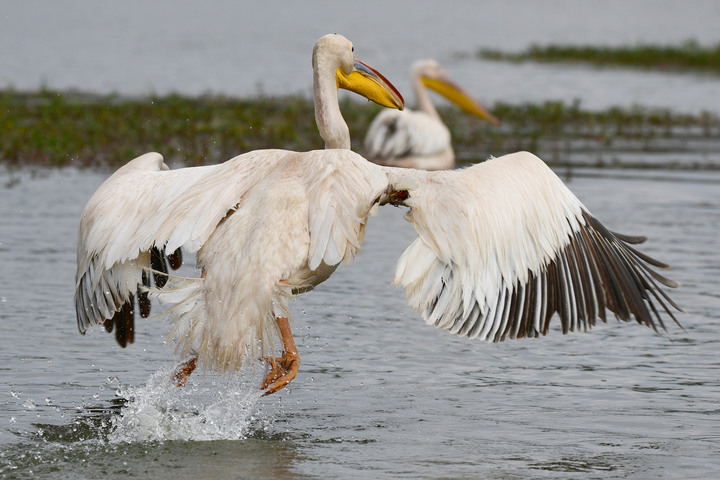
<point>222,342</point>
<point>183,298</point>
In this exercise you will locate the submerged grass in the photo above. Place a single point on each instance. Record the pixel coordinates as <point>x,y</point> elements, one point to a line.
<point>687,56</point>
<point>50,128</point>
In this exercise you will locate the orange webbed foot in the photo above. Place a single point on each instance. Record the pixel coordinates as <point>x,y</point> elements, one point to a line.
<point>282,371</point>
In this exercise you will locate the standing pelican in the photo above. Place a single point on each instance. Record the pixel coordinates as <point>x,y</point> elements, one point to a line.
<point>419,139</point>
<point>502,246</point>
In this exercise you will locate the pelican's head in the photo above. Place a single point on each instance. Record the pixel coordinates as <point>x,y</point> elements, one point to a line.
<point>354,75</point>
<point>433,76</point>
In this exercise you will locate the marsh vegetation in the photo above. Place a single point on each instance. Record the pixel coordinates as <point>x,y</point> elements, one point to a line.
<point>688,56</point>
<point>51,128</point>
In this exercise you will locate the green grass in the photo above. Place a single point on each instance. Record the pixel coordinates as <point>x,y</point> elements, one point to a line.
<point>51,128</point>
<point>688,56</point>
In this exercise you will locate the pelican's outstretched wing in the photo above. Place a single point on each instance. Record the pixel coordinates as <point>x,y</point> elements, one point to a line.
<point>124,228</point>
<point>504,245</point>
<point>144,208</point>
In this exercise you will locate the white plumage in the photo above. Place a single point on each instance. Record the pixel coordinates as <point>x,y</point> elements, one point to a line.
<point>502,246</point>
<point>509,246</point>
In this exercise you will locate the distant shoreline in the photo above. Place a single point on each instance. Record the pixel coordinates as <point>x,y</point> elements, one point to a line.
<point>688,56</point>
<point>55,128</point>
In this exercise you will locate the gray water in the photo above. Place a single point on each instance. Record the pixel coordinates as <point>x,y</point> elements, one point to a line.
<point>379,394</point>
<point>242,48</point>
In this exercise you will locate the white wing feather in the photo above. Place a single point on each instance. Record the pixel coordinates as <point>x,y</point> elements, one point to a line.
<point>504,245</point>
<point>141,206</point>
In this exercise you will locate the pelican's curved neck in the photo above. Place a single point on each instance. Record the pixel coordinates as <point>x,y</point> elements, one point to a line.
<point>328,118</point>
<point>422,97</point>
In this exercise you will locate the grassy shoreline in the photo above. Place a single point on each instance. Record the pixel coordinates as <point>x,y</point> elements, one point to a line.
<point>50,128</point>
<point>688,56</point>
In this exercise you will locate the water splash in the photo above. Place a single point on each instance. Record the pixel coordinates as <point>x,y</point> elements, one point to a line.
<point>210,408</point>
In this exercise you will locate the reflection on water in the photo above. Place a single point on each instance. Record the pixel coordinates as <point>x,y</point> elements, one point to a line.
<point>379,394</point>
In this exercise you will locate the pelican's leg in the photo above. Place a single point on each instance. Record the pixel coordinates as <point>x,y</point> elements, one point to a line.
<point>183,371</point>
<point>282,369</point>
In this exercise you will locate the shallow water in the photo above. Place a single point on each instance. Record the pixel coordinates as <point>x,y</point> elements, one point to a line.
<point>241,48</point>
<point>379,394</point>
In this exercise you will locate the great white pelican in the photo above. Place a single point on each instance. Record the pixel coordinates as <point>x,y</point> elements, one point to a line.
<point>502,246</point>
<point>419,139</point>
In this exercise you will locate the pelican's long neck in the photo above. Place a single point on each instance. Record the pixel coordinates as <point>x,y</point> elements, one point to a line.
<point>328,118</point>
<point>422,97</point>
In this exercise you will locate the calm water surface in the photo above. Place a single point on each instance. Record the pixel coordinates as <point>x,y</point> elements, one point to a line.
<point>379,394</point>
<point>240,48</point>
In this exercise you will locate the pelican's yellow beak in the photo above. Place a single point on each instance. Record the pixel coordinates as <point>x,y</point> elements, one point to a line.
<point>457,95</point>
<point>368,82</point>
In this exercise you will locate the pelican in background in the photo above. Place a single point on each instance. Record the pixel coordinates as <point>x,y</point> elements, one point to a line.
<point>502,246</point>
<point>419,139</point>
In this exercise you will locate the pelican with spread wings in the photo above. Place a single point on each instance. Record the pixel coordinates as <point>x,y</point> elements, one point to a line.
<point>502,246</point>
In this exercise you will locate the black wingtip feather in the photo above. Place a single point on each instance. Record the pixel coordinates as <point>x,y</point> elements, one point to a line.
<point>159,266</point>
<point>175,259</point>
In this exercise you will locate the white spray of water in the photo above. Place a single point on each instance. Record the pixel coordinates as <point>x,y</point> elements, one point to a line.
<point>209,408</point>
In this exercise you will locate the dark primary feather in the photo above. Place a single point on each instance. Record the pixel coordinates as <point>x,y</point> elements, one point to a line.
<point>175,259</point>
<point>142,296</point>
<point>159,266</point>
<point>123,320</point>
<point>596,271</point>
<point>124,323</point>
